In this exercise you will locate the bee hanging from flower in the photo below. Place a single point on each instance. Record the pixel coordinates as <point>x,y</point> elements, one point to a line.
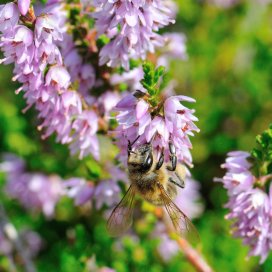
<point>156,182</point>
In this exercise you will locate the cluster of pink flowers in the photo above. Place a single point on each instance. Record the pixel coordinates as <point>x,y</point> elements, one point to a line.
<point>39,192</point>
<point>168,121</point>
<point>132,27</point>
<point>45,80</point>
<point>249,204</point>
<point>174,48</point>
<point>30,241</point>
<point>106,192</point>
<point>34,191</point>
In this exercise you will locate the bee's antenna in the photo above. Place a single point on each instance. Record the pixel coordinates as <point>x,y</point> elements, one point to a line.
<point>131,144</point>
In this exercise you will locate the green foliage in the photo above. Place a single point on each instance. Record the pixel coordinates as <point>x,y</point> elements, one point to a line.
<point>102,40</point>
<point>268,264</point>
<point>263,152</point>
<point>152,78</point>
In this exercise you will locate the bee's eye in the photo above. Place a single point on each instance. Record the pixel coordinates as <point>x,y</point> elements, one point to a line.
<point>148,162</point>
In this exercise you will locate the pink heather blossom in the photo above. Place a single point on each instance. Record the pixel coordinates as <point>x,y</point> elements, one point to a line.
<point>80,72</point>
<point>249,207</point>
<point>32,52</point>
<point>30,240</point>
<point>174,49</point>
<point>9,16</point>
<point>34,191</point>
<point>23,6</point>
<point>187,199</point>
<point>107,101</point>
<point>106,192</point>
<point>78,189</point>
<point>84,139</point>
<point>167,247</point>
<point>139,22</point>
<point>131,78</point>
<point>6,246</point>
<point>47,29</point>
<point>176,123</point>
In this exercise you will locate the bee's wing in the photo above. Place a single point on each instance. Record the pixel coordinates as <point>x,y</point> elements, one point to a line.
<point>182,224</point>
<point>121,217</point>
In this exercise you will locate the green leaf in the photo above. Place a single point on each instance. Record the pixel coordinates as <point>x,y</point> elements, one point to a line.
<point>153,79</point>
<point>262,153</point>
<point>102,40</point>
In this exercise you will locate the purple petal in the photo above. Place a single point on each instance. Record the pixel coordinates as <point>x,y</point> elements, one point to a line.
<point>23,6</point>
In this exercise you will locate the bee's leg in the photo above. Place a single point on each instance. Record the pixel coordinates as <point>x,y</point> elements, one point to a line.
<point>160,162</point>
<point>178,181</point>
<point>173,157</point>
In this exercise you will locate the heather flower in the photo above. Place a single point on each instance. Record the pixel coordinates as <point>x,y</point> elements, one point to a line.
<point>58,77</point>
<point>107,192</point>
<point>33,190</point>
<point>58,111</point>
<point>12,164</point>
<point>84,138</point>
<point>106,102</point>
<point>79,190</point>
<point>117,174</point>
<point>6,246</point>
<point>167,247</point>
<point>17,46</point>
<point>36,192</point>
<point>31,241</point>
<point>23,6</point>
<point>59,107</point>
<point>175,49</point>
<point>9,16</point>
<point>188,199</point>
<point>138,21</point>
<point>47,29</point>
<point>81,73</point>
<point>131,78</point>
<point>86,78</point>
<point>174,122</point>
<point>249,207</point>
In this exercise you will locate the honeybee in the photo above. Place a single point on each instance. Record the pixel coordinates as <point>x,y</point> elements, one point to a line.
<point>156,183</point>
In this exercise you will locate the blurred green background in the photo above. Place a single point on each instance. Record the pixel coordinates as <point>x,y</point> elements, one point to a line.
<point>229,74</point>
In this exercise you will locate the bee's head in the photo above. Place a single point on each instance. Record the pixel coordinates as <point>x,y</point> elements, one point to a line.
<point>140,159</point>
